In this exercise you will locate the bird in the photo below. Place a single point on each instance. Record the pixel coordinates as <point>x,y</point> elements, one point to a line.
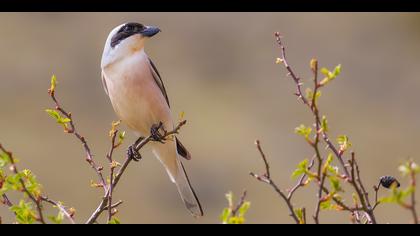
<point>140,100</point>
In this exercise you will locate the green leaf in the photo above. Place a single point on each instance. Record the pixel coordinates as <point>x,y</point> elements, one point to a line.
<point>301,169</point>
<point>12,182</point>
<point>299,215</point>
<point>335,184</point>
<point>53,83</point>
<point>329,76</point>
<point>4,159</point>
<point>244,209</point>
<point>121,137</point>
<point>326,205</point>
<point>58,118</point>
<point>324,124</point>
<point>397,196</point>
<point>24,212</point>
<point>327,163</point>
<point>344,142</point>
<point>310,94</point>
<point>337,71</point>
<point>114,221</point>
<point>57,219</point>
<point>53,113</point>
<point>325,71</point>
<point>304,131</point>
<point>224,217</point>
<point>236,220</point>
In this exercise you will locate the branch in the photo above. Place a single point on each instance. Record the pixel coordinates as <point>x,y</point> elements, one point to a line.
<point>6,201</point>
<point>301,180</point>
<point>112,165</point>
<point>240,204</point>
<point>72,130</point>
<point>360,190</point>
<point>67,214</point>
<point>266,178</point>
<point>413,193</point>
<point>151,138</point>
<point>300,96</point>
<point>35,200</point>
<point>320,198</point>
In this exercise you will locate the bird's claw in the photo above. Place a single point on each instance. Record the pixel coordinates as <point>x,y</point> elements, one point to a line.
<point>133,154</point>
<point>155,133</point>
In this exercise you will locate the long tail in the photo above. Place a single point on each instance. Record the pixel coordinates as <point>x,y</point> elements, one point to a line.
<point>168,155</point>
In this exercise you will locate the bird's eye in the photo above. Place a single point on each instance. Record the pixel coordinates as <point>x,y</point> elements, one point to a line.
<point>129,28</point>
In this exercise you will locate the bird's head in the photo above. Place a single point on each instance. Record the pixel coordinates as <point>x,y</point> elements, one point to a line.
<point>125,40</point>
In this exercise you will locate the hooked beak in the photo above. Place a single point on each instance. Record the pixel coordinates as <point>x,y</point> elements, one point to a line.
<point>150,31</point>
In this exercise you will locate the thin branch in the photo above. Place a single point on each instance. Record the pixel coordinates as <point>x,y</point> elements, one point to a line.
<point>265,178</point>
<point>6,201</point>
<point>34,199</point>
<point>320,198</point>
<point>104,202</point>
<point>72,130</point>
<point>267,166</point>
<point>67,214</point>
<point>300,95</point>
<point>300,183</point>
<point>376,189</point>
<point>115,205</point>
<point>359,180</point>
<point>240,204</point>
<point>361,194</point>
<point>112,166</point>
<point>413,193</point>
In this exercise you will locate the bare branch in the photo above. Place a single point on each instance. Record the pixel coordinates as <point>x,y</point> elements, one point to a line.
<point>67,214</point>
<point>265,178</point>
<point>240,204</point>
<point>72,130</point>
<point>151,138</point>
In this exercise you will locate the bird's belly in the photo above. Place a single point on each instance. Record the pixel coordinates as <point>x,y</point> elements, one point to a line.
<point>137,100</point>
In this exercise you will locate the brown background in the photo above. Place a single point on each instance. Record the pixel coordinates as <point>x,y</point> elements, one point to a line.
<point>219,68</point>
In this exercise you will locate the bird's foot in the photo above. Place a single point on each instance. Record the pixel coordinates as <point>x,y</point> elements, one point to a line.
<point>155,133</point>
<point>133,154</point>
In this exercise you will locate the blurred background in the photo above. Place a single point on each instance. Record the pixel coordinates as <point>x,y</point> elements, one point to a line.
<point>219,68</point>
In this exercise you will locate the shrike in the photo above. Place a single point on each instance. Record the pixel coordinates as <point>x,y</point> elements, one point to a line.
<point>139,98</point>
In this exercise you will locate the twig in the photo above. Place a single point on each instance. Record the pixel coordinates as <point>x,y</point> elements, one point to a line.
<point>115,205</point>
<point>72,130</point>
<point>34,199</point>
<point>103,204</point>
<point>60,207</point>
<point>352,178</point>
<point>376,189</point>
<point>301,180</point>
<point>320,198</point>
<point>240,204</point>
<point>111,170</point>
<point>413,194</point>
<point>6,201</point>
<point>359,190</point>
<point>265,178</point>
<point>300,96</point>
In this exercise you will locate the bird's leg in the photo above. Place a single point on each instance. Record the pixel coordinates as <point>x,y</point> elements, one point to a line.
<point>132,152</point>
<point>156,135</point>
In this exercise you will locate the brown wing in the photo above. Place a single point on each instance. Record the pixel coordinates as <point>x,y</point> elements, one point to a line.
<point>182,151</point>
<point>158,80</point>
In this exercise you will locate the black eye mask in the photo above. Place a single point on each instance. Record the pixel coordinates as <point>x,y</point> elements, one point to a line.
<point>126,31</point>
